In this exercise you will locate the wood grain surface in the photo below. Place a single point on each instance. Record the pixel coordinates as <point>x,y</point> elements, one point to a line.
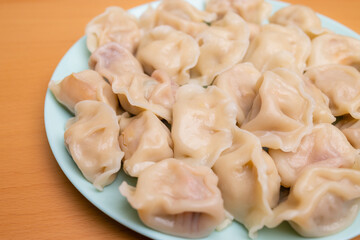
<point>36,199</point>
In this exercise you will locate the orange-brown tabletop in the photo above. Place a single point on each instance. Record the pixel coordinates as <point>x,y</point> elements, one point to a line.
<point>37,201</point>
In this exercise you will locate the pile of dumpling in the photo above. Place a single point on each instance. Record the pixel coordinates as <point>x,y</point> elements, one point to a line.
<point>219,117</point>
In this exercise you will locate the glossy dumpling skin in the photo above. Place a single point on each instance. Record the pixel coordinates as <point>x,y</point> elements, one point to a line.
<point>322,202</point>
<point>325,146</point>
<point>351,129</point>
<point>164,48</point>
<point>334,48</point>
<point>254,11</point>
<point>112,60</point>
<point>176,198</point>
<point>178,14</point>
<point>136,91</point>
<point>282,111</point>
<point>84,85</point>
<point>248,181</point>
<point>202,123</point>
<point>91,138</point>
<point>222,45</point>
<point>341,84</point>
<point>239,82</point>
<point>322,112</point>
<point>279,46</point>
<point>114,25</point>
<point>145,140</point>
<point>301,16</point>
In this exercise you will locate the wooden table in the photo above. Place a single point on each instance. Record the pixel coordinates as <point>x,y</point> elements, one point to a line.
<point>36,199</point>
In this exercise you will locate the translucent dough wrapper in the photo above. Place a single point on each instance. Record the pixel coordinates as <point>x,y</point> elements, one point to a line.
<point>341,84</point>
<point>334,48</point>
<point>176,198</point>
<point>254,11</point>
<point>351,129</point>
<point>178,14</point>
<point>282,111</point>
<point>91,138</point>
<point>113,60</point>
<point>164,48</point>
<point>145,140</point>
<point>248,180</point>
<point>222,45</point>
<point>325,146</point>
<point>114,25</point>
<point>322,202</point>
<point>84,85</point>
<point>301,16</point>
<point>202,123</point>
<point>239,82</point>
<point>278,46</point>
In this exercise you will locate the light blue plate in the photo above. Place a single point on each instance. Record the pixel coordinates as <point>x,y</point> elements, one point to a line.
<point>110,201</point>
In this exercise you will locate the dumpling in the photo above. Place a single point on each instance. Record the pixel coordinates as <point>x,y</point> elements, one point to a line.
<point>341,84</point>
<point>91,138</point>
<point>222,45</point>
<point>301,16</point>
<point>351,129</point>
<point>138,92</point>
<point>282,111</point>
<point>84,85</point>
<point>164,48</point>
<point>145,140</point>
<point>239,82</point>
<point>254,11</point>
<point>278,46</point>
<point>322,112</point>
<point>114,25</point>
<point>202,123</point>
<point>176,198</point>
<point>248,181</point>
<point>325,146</point>
<point>334,48</point>
<point>322,202</point>
<point>178,14</point>
<point>113,60</point>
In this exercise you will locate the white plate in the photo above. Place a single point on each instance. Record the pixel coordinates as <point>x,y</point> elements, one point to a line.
<point>110,201</point>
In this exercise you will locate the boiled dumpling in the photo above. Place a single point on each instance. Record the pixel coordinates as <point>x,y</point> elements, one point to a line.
<point>138,92</point>
<point>351,129</point>
<point>334,48</point>
<point>178,14</point>
<point>222,45</point>
<point>202,123</point>
<point>239,82</point>
<point>341,84</point>
<point>325,146</point>
<point>279,46</point>
<point>322,202</point>
<point>322,111</point>
<point>282,111</point>
<point>91,138</point>
<point>301,16</point>
<point>176,198</point>
<point>84,85</point>
<point>145,140</point>
<point>113,60</point>
<point>114,25</point>
<point>248,181</point>
<point>164,48</point>
<point>254,11</point>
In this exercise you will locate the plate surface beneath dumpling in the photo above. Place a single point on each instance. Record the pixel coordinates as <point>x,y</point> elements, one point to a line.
<point>110,201</point>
